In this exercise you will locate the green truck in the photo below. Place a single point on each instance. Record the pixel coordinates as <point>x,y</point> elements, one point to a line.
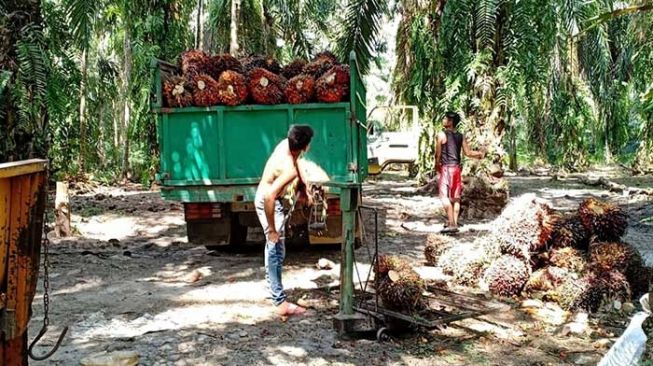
<point>211,160</point>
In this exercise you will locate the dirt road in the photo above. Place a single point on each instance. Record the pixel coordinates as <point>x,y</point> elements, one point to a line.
<point>130,281</point>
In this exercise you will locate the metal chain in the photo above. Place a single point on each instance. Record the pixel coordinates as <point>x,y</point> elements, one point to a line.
<point>45,244</point>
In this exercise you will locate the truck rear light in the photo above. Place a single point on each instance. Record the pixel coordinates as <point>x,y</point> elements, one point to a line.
<point>333,206</point>
<point>198,211</point>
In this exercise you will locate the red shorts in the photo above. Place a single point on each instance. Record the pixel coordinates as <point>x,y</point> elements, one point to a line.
<point>450,183</point>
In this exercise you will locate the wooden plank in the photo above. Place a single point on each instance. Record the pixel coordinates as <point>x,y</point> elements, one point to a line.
<point>17,168</point>
<point>5,191</point>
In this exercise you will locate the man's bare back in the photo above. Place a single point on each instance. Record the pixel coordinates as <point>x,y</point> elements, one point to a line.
<point>280,163</point>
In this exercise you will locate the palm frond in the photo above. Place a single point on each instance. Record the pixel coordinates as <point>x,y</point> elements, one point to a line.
<point>359,30</point>
<point>81,14</point>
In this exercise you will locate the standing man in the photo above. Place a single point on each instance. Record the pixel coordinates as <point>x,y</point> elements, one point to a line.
<point>449,142</point>
<point>280,170</point>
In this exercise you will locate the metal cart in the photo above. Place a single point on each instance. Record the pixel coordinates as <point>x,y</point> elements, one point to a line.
<point>360,309</point>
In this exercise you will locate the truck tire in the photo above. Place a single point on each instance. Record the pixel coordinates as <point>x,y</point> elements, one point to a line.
<point>238,234</point>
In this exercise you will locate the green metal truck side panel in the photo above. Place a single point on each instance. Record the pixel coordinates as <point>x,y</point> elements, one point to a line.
<point>217,154</point>
<point>250,137</point>
<point>189,151</point>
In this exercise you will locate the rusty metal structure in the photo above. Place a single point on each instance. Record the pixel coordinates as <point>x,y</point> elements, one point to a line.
<point>22,204</point>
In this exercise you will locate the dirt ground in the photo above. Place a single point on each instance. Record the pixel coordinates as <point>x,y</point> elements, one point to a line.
<point>130,281</point>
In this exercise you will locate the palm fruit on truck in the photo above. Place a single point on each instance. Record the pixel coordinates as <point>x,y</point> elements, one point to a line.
<point>320,64</point>
<point>177,91</point>
<point>251,62</point>
<point>228,62</point>
<point>604,220</point>
<point>193,62</point>
<point>333,86</point>
<point>399,286</point>
<point>294,68</point>
<point>266,87</point>
<point>205,91</point>
<point>300,89</point>
<point>232,88</point>
<point>507,276</point>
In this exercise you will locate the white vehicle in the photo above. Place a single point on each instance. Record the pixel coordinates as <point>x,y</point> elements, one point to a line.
<point>396,145</point>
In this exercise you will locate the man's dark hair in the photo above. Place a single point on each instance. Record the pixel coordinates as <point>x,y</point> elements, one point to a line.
<point>299,136</point>
<point>454,118</point>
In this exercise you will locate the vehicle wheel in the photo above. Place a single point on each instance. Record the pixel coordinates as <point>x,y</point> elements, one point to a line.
<point>238,233</point>
<point>382,335</point>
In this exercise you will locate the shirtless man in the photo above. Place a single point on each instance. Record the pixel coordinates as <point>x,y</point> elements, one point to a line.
<point>448,164</point>
<point>280,170</point>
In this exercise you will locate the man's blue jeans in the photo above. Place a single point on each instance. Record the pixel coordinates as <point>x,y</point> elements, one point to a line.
<point>274,253</point>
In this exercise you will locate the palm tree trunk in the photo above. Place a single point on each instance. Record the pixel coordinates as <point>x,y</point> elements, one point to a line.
<point>233,39</point>
<point>82,112</point>
<point>102,154</point>
<point>114,117</point>
<point>127,69</point>
<point>198,31</point>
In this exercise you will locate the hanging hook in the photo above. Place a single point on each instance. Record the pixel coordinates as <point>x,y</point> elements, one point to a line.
<point>38,338</point>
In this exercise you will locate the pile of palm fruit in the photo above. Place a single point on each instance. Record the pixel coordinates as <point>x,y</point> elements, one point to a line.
<point>399,287</point>
<point>577,259</point>
<point>208,80</point>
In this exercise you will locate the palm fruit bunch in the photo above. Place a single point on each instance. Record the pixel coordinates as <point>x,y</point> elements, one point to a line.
<point>205,90</point>
<point>333,86</point>
<point>193,62</point>
<point>613,255</point>
<point>294,68</point>
<point>549,220</point>
<point>517,229</point>
<point>254,61</point>
<point>614,286</point>
<point>489,245</point>
<point>578,293</point>
<point>451,260</point>
<point>300,89</point>
<point>232,88</point>
<point>570,232</point>
<point>320,64</point>
<point>469,272</point>
<point>177,92</point>
<point>266,87</point>
<point>436,244</point>
<point>569,258</point>
<point>604,220</point>
<point>546,279</point>
<point>399,286</point>
<point>624,258</point>
<point>506,276</point>
<point>229,62</point>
